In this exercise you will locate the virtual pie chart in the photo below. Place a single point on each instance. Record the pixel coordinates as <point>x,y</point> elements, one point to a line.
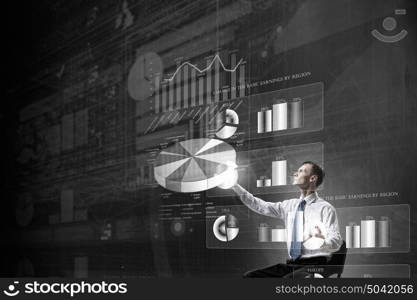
<point>194,165</point>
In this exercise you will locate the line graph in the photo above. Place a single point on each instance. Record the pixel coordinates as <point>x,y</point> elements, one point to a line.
<point>216,57</point>
<point>223,78</point>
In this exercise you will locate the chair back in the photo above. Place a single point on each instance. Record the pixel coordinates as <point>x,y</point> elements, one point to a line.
<point>336,263</point>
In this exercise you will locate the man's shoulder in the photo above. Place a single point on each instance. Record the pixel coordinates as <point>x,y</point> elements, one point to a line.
<point>291,200</point>
<point>324,203</point>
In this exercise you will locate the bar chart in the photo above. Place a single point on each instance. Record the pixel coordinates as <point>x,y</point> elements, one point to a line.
<point>269,170</point>
<point>288,111</point>
<point>255,231</point>
<point>282,115</point>
<point>390,229</point>
<point>370,233</point>
<point>373,229</point>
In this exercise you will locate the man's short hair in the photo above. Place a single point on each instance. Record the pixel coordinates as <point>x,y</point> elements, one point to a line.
<point>317,170</point>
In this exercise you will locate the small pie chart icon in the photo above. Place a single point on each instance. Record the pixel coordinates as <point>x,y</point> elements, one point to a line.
<point>225,228</point>
<point>228,123</point>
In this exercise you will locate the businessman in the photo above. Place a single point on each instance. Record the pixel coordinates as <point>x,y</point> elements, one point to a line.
<point>311,223</point>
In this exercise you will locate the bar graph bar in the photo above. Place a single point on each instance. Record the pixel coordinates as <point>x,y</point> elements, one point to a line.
<point>171,86</point>
<point>278,234</point>
<point>268,119</point>
<point>200,89</point>
<point>193,87</point>
<point>186,87</point>
<point>383,232</point>
<point>259,182</point>
<point>353,236</point>
<point>208,81</point>
<point>279,172</point>
<point>261,121</point>
<point>216,81</point>
<point>157,92</point>
<point>242,83</point>
<point>225,92</point>
<point>178,88</point>
<point>233,76</point>
<point>295,113</point>
<point>368,233</point>
<point>280,111</point>
<point>164,95</point>
<point>263,233</point>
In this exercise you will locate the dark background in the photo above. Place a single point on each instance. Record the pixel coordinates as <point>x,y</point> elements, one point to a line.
<point>369,132</point>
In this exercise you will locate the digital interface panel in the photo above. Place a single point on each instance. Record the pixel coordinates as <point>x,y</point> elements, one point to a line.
<point>128,144</point>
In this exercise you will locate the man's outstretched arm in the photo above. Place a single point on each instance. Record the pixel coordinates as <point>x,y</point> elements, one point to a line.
<point>271,209</point>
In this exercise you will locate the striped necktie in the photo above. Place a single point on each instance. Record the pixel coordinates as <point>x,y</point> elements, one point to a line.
<point>295,250</point>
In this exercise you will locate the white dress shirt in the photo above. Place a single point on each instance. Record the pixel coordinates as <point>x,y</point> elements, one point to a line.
<point>317,212</point>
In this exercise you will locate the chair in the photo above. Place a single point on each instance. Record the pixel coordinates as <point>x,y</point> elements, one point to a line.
<point>335,265</point>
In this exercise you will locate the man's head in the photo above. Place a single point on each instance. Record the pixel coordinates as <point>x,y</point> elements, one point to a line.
<point>308,176</point>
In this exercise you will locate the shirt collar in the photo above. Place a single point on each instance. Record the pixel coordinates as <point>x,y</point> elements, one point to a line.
<point>310,198</point>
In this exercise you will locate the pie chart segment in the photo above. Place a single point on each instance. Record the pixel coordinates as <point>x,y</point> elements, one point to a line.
<point>168,168</point>
<point>178,174</point>
<point>219,229</point>
<point>193,172</point>
<point>198,170</point>
<point>167,158</point>
<point>172,154</point>
<point>193,146</point>
<point>176,150</point>
<point>218,147</point>
<point>232,117</point>
<point>210,168</point>
<point>209,145</point>
<point>220,157</point>
<point>226,131</point>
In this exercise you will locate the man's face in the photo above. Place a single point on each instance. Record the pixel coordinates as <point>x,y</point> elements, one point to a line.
<point>303,177</point>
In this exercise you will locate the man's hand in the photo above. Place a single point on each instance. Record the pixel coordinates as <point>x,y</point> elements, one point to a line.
<point>231,177</point>
<point>317,233</point>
